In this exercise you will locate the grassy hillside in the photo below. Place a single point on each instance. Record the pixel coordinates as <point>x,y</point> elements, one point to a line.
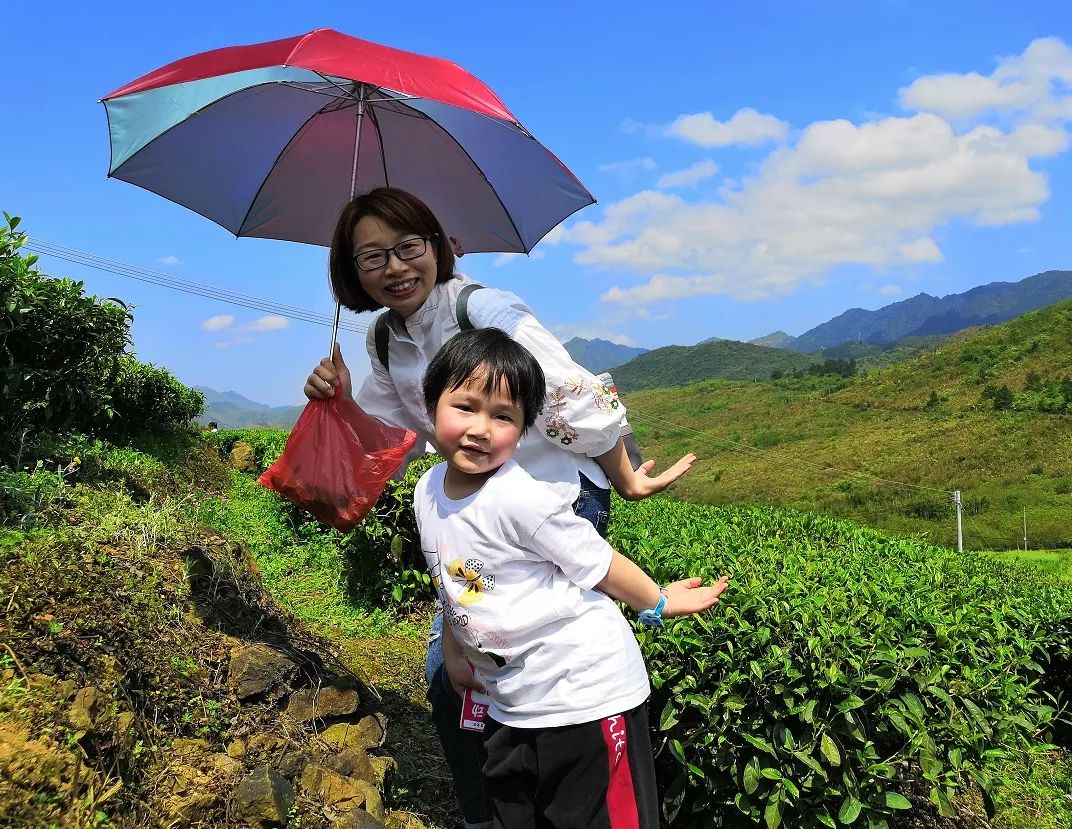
<point>676,365</point>
<point>844,447</point>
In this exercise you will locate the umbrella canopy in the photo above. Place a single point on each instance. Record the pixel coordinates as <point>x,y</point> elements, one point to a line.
<point>271,140</point>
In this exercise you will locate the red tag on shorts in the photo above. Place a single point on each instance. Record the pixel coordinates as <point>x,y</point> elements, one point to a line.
<point>474,710</point>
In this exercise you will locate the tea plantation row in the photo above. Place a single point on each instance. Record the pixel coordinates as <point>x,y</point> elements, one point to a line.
<point>846,679</point>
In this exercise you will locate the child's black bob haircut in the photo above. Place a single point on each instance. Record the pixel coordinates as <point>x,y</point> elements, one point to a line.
<point>491,354</point>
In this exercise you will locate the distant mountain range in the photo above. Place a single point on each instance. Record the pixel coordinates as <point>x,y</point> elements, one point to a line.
<point>926,315</point>
<point>230,410</point>
<point>599,355</point>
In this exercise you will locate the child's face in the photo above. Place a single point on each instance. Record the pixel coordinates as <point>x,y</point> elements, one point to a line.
<point>477,432</point>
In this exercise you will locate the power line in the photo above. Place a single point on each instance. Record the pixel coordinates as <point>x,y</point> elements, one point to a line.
<point>69,254</point>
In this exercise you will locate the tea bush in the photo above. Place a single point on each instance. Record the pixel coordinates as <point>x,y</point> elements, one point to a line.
<point>63,366</point>
<point>381,558</point>
<point>146,397</point>
<point>383,554</point>
<point>846,677</point>
<point>59,349</point>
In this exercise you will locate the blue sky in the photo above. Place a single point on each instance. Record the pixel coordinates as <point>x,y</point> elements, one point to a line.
<point>759,166</point>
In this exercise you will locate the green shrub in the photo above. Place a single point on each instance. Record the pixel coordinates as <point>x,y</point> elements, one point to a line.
<point>146,398</point>
<point>846,678</point>
<point>26,496</point>
<point>63,366</point>
<point>59,349</point>
<point>382,555</point>
<point>267,444</point>
<point>843,672</point>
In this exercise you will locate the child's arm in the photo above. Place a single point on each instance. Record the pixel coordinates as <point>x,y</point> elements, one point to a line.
<point>628,583</point>
<point>458,669</point>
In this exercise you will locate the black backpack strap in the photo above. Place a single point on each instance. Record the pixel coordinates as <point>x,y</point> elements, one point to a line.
<point>461,309</point>
<point>381,335</point>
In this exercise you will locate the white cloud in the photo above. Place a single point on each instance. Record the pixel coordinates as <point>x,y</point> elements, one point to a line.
<point>891,290</point>
<point>745,127</point>
<point>872,194</point>
<point>169,260</point>
<point>689,176</point>
<point>1037,83</point>
<point>218,323</point>
<point>272,322</point>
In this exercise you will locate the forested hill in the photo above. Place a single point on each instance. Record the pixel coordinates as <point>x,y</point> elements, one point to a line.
<point>676,365</point>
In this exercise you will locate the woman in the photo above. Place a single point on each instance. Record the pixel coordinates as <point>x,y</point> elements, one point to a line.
<point>390,251</point>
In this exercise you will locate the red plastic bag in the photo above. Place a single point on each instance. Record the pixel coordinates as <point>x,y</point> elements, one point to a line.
<point>337,461</point>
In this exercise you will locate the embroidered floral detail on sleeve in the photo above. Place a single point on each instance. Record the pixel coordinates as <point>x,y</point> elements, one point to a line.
<point>557,427</point>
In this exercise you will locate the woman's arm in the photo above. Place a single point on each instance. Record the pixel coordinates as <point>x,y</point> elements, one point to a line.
<point>634,484</point>
<point>580,414</point>
<point>377,397</point>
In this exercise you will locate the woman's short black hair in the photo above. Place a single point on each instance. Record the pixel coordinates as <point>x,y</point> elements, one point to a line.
<point>491,354</point>
<point>398,209</point>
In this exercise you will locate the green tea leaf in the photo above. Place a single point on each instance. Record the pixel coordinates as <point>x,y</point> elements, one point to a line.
<point>850,810</point>
<point>829,750</point>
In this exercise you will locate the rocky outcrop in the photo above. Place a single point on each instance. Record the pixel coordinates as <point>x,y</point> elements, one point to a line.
<point>243,458</point>
<point>258,670</point>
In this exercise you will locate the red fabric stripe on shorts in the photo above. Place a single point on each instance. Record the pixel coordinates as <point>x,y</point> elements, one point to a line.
<point>621,799</point>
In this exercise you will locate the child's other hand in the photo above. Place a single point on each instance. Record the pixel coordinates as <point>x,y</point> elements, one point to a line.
<point>690,596</point>
<point>460,673</point>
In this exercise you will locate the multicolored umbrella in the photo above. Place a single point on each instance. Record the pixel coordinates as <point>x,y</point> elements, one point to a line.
<point>272,139</point>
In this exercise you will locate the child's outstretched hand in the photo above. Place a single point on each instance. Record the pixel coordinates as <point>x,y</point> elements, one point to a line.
<point>690,596</point>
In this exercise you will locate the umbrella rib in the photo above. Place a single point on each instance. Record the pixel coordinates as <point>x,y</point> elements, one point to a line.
<point>297,134</point>
<point>402,96</point>
<point>383,153</point>
<point>477,167</point>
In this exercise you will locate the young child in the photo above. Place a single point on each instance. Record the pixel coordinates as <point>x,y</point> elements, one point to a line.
<point>525,584</point>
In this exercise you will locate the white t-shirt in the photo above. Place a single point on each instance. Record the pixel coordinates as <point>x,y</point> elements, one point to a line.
<point>581,418</point>
<point>515,570</point>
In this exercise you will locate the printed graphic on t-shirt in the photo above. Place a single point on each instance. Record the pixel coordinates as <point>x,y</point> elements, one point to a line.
<point>469,574</point>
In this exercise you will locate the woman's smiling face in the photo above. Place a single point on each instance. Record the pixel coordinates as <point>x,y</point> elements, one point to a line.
<point>401,285</point>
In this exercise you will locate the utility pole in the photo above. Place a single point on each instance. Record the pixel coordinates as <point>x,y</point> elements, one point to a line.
<point>955,498</point>
<point>1025,529</point>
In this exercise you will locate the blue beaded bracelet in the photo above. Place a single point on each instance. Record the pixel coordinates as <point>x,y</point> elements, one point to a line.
<point>653,616</point>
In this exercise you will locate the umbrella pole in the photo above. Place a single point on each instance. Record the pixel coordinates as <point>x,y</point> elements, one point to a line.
<point>360,89</point>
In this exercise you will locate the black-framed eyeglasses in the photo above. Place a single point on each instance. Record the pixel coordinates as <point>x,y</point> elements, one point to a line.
<point>371,260</point>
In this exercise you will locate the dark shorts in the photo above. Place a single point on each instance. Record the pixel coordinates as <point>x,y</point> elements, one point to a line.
<point>596,775</point>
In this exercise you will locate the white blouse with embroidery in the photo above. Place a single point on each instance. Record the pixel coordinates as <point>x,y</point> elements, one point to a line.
<point>581,417</point>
